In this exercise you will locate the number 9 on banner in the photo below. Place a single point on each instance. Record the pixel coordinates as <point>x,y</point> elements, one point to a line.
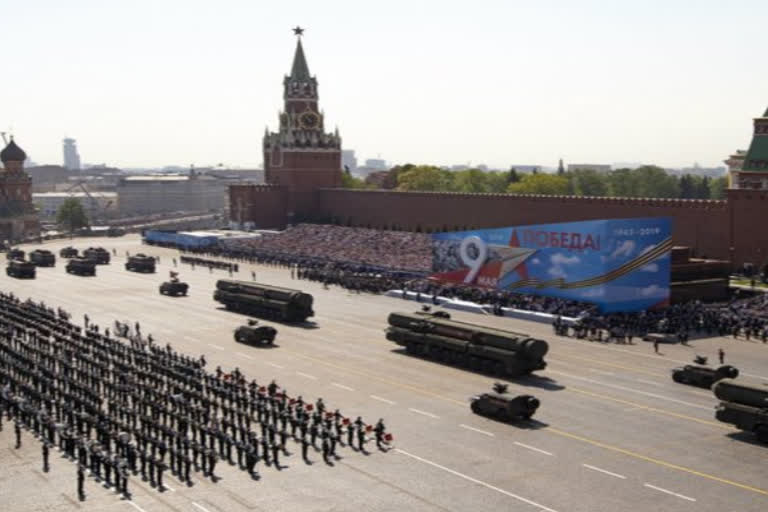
<point>474,263</point>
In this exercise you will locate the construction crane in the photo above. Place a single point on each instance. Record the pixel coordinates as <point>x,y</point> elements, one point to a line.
<point>96,207</point>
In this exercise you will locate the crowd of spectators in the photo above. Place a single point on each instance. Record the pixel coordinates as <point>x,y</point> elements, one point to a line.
<point>396,250</point>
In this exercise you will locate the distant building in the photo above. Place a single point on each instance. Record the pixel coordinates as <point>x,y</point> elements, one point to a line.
<point>148,194</point>
<point>71,156</point>
<point>95,204</point>
<point>753,173</point>
<point>594,167</point>
<point>734,162</point>
<point>348,159</point>
<point>376,164</point>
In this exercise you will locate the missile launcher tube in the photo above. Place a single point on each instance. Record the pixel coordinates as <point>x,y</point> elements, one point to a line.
<point>751,394</point>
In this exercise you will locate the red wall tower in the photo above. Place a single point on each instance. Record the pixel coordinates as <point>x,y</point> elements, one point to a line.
<point>301,156</point>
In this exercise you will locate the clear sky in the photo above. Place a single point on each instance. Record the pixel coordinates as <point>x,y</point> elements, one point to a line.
<point>160,82</point>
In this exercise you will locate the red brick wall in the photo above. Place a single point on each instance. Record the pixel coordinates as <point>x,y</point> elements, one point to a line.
<point>748,226</point>
<point>264,205</point>
<point>702,225</point>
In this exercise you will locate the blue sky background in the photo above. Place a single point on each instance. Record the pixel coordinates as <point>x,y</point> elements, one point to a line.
<point>498,82</point>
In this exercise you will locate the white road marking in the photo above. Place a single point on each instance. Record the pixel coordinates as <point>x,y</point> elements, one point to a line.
<point>636,391</point>
<point>649,382</point>
<point>275,365</point>
<point>534,449</point>
<point>604,471</point>
<point>217,347</point>
<point>490,434</point>
<point>244,355</point>
<point>660,489</point>
<point>306,375</point>
<point>135,506</point>
<point>603,372</point>
<point>417,411</point>
<point>476,481</point>
<point>190,338</point>
<point>342,386</point>
<point>390,402</point>
<point>201,507</point>
<point>166,486</point>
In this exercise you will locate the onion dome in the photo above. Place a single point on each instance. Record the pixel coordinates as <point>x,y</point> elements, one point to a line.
<point>12,153</point>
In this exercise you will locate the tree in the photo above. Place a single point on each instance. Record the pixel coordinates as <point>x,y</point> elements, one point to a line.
<point>349,181</point>
<point>687,187</point>
<point>540,183</point>
<point>424,177</point>
<point>588,182</point>
<point>71,215</point>
<point>512,176</point>
<point>717,187</point>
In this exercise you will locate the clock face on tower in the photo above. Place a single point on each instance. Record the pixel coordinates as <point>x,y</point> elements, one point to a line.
<point>309,120</point>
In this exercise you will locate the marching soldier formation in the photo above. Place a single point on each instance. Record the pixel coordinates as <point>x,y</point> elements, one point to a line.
<point>121,410</point>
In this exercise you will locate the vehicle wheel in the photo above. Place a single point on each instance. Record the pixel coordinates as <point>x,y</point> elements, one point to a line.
<point>761,431</point>
<point>503,415</point>
<point>475,408</point>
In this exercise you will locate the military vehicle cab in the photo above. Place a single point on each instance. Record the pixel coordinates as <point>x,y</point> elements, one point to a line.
<point>255,334</point>
<point>20,269</point>
<point>140,263</point>
<point>81,267</point>
<point>68,252</point>
<point>501,405</point>
<point>703,376</point>
<point>99,255</point>
<point>174,288</point>
<point>42,258</point>
<point>15,254</point>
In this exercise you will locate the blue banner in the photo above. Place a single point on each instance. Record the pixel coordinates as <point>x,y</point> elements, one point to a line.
<point>618,264</point>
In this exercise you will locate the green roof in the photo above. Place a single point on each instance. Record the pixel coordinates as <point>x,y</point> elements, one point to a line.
<point>758,151</point>
<point>300,70</point>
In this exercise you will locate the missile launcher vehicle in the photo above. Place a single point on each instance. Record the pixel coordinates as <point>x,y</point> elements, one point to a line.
<point>272,302</point>
<point>744,404</point>
<point>480,348</point>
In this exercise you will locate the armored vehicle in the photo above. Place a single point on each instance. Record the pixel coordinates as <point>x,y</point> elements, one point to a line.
<point>255,334</point>
<point>81,267</point>
<point>174,287</point>
<point>743,403</point>
<point>140,263</point>
<point>462,343</point>
<point>15,254</point>
<point>262,300</point>
<point>68,252</point>
<point>20,268</point>
<point>499,404</point>
<point>99,255</point>
<point>42,258</point>
<point>703,376</point>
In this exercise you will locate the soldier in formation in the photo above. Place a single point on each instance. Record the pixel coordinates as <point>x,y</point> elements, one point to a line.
<point>124,410</point>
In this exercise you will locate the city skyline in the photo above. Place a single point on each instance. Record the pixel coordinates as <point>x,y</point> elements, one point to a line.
<point>593,82</point>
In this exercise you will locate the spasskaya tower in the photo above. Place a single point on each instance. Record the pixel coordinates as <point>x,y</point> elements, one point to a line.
<point>301,156</point>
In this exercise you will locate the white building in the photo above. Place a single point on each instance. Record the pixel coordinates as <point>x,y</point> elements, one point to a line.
<point>95,204</point>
